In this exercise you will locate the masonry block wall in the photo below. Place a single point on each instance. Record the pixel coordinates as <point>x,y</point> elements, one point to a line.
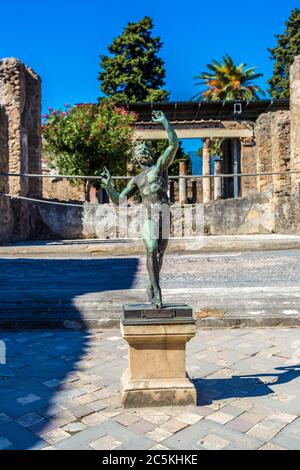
<point>272,153</point>
<point>272,150</point>
<point>20,95</point>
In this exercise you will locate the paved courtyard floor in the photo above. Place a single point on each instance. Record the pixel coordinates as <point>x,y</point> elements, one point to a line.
<point>252,288</point>
<point>60,390</point>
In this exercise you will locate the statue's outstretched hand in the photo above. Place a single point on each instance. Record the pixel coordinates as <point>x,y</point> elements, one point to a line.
<point>158,116</point>
<point>105,177</point>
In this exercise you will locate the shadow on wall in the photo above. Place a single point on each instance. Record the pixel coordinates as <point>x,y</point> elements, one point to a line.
<point>39,363</point>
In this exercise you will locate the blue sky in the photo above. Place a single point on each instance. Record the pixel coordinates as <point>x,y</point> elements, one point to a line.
<point>62,40</point>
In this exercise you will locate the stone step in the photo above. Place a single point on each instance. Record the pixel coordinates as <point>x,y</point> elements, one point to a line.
<point>209,311</point>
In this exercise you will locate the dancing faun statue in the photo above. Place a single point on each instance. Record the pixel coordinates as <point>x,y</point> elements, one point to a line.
<point>152,184</point>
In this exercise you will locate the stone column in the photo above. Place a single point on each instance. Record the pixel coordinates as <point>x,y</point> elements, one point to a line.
<point>20,95</point>
<point>217,181</point>
<point>206,170</point>
<point>295,136</point>
<point>235,168</point>
<point>295,121</point>
<point>182,181</point>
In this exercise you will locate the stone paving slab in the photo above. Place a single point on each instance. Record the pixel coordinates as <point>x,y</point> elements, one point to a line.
<point>213,436</point>
<point>289,437</point>
<point>248,397</point>
<point>106,436</point>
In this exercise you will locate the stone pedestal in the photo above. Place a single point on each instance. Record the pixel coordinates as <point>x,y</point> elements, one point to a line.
<point>156,374</point>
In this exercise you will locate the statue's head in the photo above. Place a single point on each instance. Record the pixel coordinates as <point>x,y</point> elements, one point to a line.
<point>141,154</point>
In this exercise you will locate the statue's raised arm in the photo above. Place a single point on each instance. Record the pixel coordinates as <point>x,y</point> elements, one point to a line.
<point>168,156</point>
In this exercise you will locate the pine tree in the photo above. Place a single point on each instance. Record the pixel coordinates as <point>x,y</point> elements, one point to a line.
<point>133,72</point>
<point>288,46</point>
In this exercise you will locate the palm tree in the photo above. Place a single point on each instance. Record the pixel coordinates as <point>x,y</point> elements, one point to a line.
<point>228,81</point>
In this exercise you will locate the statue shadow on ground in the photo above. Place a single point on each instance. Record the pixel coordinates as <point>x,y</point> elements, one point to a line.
<point>239,386</point>
<point>39,363</point>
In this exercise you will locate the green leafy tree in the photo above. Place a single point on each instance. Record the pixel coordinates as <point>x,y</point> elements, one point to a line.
<point>133,72</point>
<point>288,46</point>
<point>228,81</point>
<point>84,138</point>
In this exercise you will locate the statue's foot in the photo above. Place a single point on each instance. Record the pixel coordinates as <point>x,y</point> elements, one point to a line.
<point>150,293</point>
<point>157,301</point>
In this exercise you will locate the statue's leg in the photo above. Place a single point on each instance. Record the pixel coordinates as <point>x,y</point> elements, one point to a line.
<point>164,232</point>
<point>162,246</point>
<point>151,242</point>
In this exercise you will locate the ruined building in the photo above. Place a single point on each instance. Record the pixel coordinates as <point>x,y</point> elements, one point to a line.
<point>258,137</point>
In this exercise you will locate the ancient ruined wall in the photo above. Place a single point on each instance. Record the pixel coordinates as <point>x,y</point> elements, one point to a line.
<point>5,207</point>
<point>272,152</point>
<point>20,95</point>
<point>295,121</point>
<point>249,215</point>
<point>295,136</point>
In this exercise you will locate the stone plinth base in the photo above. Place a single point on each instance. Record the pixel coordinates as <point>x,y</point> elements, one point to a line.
<point>156,374</point>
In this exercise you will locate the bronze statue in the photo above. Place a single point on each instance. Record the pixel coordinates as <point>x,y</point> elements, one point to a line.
<point>152,183</point>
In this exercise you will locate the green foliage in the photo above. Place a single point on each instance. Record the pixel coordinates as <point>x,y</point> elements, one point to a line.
<point>288,46</point>
<point>228,81</point>
<point>84,138</point>
<point>133,72</point>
